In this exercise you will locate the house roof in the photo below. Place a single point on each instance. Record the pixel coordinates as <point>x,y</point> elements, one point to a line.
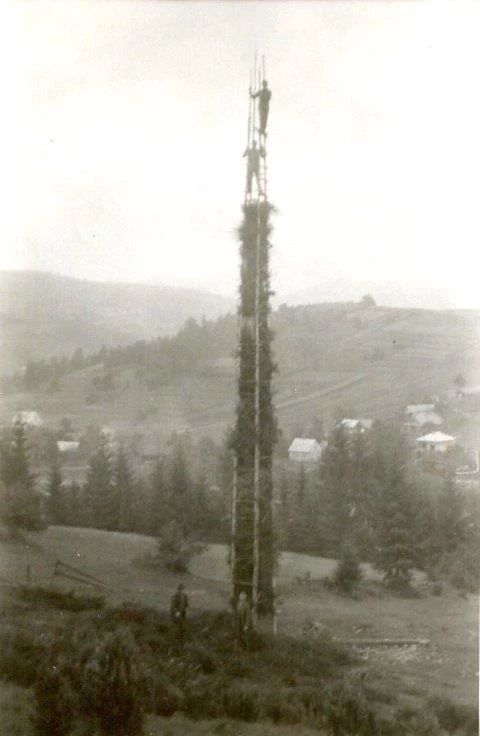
<point>427,417</point>
<point>67,445</point>
<point>434,437</point>
<point>354,423</point>
<point>417,408</point>
<point>303,444</point>
<point>32,418</point>
<point>470,391</point>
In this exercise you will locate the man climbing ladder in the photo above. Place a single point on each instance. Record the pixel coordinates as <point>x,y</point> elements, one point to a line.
<point>264,96</point>
<point>253,166</point>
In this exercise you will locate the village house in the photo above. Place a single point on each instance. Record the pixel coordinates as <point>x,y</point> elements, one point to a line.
<point>28,418</point>
<point>422,417</point>
<point>436,442</point>
<point>305,450</point>
<point>356,426</point>
<point>67,446</point>
<point>435,451</point>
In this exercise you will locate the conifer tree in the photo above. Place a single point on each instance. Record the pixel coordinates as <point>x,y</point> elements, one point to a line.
<point>362,521</point>
<point>180,488</point>
<point>20,502</point>
<point>450,516</point>
<point>335,493</point>
<point>100,497</point>
<point>124,492</point>
<point>160,511</point>
<point>55,490</point>
<point>395,508</point>
<point>301,487</point>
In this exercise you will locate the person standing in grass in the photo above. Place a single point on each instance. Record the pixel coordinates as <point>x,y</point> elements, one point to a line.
<point>178,612</point>
<point>243,620</point>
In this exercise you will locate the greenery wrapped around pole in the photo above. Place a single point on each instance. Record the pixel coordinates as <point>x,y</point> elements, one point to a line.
<point>254,414</point>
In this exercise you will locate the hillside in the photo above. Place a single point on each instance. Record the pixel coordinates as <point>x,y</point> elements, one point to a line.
<point>334,358</point>
<point>44,314</point>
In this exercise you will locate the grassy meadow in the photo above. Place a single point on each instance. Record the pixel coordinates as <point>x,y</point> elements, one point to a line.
<point>312,622</point>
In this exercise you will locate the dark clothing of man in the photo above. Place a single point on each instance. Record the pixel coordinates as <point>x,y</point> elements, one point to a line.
<point>178,612</point>
<point>264,96</point>
<point>253,167</point>
<point>179,605</point>
<point>243,621</point>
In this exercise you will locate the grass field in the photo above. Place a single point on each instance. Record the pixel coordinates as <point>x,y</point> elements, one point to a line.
<point>447,666</point>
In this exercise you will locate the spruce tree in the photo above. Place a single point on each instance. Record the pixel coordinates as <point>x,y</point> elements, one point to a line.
<point>450,516</point>
<point>180,489</point>
<point>21,505</point>
<point>159,511</point>
<point>335,493</point>
<point>124,492</point>
<point>100,497</point>
<point>55,489</point>
<point>301,487</point>
<point>395,508</point>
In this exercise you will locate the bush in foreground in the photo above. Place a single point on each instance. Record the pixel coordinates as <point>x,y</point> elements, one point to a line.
<point>242,701</point>
<point>114,691</point>
<point>65,601</point>
<point>56,700</point>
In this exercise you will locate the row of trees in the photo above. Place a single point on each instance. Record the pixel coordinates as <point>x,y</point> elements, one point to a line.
<point>114,497</point>
<point>366,498</point>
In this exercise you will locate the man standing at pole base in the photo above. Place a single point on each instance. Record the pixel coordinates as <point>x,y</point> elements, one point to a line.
<point>243,620</point>
<point>178,612</point>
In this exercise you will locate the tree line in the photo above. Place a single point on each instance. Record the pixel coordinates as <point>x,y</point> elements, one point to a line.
<point>368,500</point>
<point>365,498</point>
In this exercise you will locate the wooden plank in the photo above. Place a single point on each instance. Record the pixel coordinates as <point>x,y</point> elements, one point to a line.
<point>384,642</point>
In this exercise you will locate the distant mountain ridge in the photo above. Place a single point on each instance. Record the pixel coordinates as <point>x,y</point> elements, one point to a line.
<point>45,314</point>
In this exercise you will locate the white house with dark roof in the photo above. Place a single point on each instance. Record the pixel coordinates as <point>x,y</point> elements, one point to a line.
<point>305,450</point>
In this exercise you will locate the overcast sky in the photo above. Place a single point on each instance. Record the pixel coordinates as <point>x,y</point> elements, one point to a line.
<point>126,123</point>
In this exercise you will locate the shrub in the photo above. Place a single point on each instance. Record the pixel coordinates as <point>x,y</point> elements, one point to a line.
<point>242,702</point>
<point>454,717</point>
<point>201,656</point>
<point>56,702</point>
<point>348,573</point>
<point>16,709</point>
<point>165,697</point>
<point>238,667</point>
<point>345,710</point>
<point>65,601</point>
<point>20,658</point>
<point>175,549</point>
<point>204,697</point>
<point>114,691</point>
<point>284,706</point>
<point>419,723</point>
<point>460,567</point>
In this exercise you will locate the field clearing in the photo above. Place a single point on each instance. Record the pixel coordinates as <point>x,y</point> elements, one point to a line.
<point>448,666</point>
